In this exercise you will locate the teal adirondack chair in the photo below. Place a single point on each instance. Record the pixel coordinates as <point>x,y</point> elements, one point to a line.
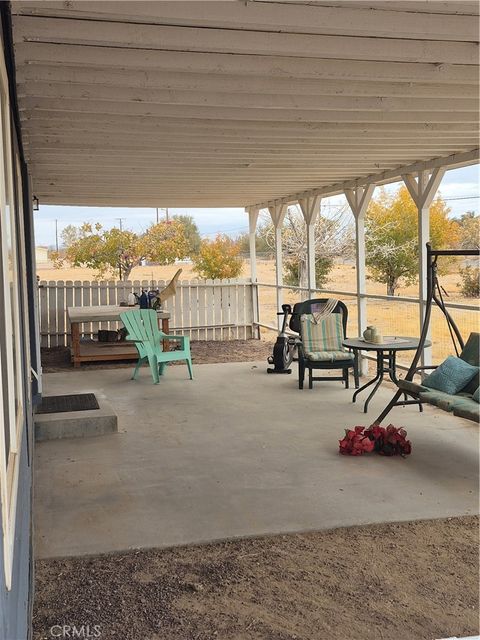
<point>142,327</point>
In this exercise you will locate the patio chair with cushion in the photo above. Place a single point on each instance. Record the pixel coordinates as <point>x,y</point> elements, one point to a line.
<point>142,327</point>
<point>321,342</point>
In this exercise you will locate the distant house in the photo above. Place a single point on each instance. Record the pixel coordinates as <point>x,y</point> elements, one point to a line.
<point>41,257</point>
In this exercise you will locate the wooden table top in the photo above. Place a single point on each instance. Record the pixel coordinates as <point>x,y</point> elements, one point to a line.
<point>103,313</point>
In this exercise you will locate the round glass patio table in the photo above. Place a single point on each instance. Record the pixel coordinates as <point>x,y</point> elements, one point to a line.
<point>386,359</point>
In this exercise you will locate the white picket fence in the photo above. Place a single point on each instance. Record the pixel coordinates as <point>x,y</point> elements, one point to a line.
<point>202,310</point>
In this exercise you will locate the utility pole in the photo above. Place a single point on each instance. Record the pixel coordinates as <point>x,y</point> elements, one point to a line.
<point>120,221</point>
<point>56,234</point>
<point>166,214</point>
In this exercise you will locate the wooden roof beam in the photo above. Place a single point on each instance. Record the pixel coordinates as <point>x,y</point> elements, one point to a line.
<point>272,66</point>
<point>236,83</point>
<point>63,121</point>
<point>87,92</point>
<point>236,113</point>
<point>133,36</point>
<point>350,19</point>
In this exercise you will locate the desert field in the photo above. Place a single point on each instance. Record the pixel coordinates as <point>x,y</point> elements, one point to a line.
<point>342,277</point>
<point>392,317</point>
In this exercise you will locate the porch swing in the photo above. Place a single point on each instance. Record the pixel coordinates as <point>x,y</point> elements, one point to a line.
<point>461,404</point>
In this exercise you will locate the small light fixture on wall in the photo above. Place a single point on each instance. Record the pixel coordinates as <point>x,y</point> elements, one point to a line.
<point>36,204</point>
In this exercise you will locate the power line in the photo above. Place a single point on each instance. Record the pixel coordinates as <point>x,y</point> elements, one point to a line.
<point>462,198</point>
<point>120,221</point>
<point>212,233</point>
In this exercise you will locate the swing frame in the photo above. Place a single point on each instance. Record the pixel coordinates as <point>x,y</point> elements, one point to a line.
<point>434,295</point>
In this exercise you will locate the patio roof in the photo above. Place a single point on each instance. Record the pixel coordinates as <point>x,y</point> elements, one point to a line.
<point>240,103</point>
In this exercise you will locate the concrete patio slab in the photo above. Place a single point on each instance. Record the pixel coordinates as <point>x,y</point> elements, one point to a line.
<point>237,452</point>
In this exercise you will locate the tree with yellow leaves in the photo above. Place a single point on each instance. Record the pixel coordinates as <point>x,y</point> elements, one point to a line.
<point>391,230</point>
<point>165,242</point>
<point>218,259</point>
<point>116,250</point>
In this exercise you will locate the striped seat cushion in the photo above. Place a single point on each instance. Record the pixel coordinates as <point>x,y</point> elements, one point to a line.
<point>322,339</point>
<point>329,356</point>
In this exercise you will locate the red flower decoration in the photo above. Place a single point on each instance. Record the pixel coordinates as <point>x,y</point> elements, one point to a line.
<point>387,441</point>
<point>355,442</point>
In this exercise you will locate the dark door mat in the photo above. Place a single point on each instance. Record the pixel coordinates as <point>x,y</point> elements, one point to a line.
<point>73,402</point>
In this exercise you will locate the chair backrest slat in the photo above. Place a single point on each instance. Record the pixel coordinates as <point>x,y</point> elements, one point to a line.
<point>142,324</point>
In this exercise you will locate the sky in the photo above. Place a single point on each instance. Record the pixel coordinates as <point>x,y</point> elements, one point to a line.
<point>459,187</point>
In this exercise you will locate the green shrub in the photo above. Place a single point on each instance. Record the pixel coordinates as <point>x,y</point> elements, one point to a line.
<point>470,285</point>
<point>292,267</point>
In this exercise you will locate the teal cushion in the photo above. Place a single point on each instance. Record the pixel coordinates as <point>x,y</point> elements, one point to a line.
<point>476,395</point>
<point>439,399</point>
<point>471,350</point>
<point>469,409</point>
<point>451,376</point>
<point>470,354</point>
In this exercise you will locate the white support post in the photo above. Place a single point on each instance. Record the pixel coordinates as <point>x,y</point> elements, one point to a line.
<point>422,191</point>
<point>359,199</point>
<point>252,228</point>
<point>277,213</point>
<point>310,208</point>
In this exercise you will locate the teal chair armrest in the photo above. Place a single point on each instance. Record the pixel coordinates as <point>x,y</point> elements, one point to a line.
<point>183,340</point>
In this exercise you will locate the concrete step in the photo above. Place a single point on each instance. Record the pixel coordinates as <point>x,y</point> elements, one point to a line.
<point>77,424</point>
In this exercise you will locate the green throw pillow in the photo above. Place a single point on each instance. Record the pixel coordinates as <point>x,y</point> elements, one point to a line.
<point>451,376</point>
<point>476,395</point>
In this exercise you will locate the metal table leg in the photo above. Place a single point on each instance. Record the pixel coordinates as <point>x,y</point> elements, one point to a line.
<point>392,366</point>
<point>377,381</point>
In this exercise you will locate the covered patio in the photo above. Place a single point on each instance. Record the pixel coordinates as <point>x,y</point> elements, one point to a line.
<point>236,453</point>
<point>258,104</point>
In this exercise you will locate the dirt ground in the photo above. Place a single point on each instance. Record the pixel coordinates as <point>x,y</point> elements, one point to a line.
<point>407,581</point>
<point>56,359</point>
